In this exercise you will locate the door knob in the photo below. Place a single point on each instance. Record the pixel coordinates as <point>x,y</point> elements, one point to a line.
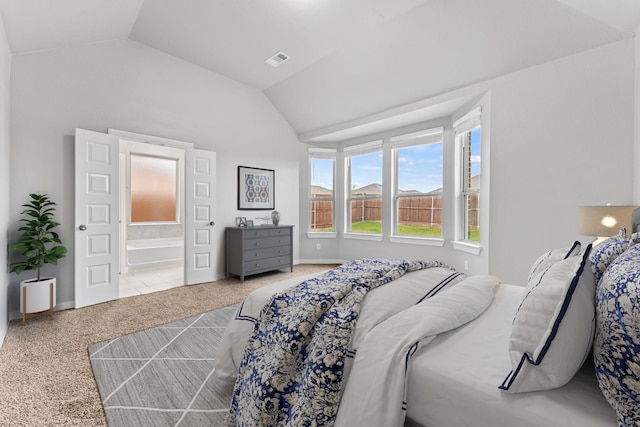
<point>82,227</point>
<point>212,223</point>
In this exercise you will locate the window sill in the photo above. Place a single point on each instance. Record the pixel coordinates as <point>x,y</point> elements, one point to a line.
<point>468,247</point>
<point>363,236</point>
<point>417,240</point>
<point>322,234</point>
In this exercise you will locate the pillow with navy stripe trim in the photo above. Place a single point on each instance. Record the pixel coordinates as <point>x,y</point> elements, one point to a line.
<point>553,327</point>
<point>547,259</point>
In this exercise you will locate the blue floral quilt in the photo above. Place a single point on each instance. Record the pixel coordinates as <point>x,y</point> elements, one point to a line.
<point>293,364</point>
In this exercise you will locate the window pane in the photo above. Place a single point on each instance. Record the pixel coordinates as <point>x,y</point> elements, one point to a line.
<point>472,160</point>
<point>366,181</point>
<point>471,183</point>
<point>420,216</point>
<point>153,189</point>
<point>366,215</point>
<point>420,177</point>
<point>322,177</point>
<point>473,217</point>
<point>366,173</point>
<point>321,194</point>
<point>322,215</point>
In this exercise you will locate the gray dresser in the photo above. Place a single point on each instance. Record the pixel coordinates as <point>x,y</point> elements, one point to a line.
<point>258,249</point>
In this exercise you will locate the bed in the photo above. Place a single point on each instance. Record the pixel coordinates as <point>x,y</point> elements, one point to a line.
<point>460,372</point>
<point>405,365</point>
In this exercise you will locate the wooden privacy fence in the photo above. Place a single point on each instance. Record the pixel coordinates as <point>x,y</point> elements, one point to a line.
<point>321,214</point>
<point>418,210</point>
<point>424,210</point>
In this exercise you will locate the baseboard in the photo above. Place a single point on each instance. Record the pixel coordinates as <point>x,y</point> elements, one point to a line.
<point>3,333</point>
<point>321,261</point>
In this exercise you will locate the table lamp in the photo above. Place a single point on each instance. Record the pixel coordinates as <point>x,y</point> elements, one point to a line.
<point>604,221</point>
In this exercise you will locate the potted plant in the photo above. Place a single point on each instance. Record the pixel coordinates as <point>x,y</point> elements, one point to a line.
<point>39,244</point>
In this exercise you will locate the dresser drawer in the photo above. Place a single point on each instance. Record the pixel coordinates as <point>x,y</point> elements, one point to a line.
<point>266,242</point>
<point>266,252</point>
<point>266,264</point>
<point>266,232</point>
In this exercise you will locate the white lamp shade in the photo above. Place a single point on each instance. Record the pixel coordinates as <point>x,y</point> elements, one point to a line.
<point>604,221</point>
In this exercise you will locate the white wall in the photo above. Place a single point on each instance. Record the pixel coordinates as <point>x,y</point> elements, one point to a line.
<point>5,138</point>
<point>125,85</point>
<point>636,154</point>
<point>561,135</point>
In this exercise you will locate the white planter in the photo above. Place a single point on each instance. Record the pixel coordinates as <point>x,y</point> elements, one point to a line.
<point>38,298</point>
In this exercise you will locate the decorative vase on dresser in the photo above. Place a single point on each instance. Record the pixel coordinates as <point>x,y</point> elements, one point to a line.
<point>275,218</point>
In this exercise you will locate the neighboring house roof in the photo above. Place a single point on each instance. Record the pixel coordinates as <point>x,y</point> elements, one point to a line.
<point>319,190</point>
<point>475,182</point>
<point>371,189</point>
<point>376,189</point>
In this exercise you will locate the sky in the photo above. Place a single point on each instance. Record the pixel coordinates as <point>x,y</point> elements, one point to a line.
<point>419,167</point>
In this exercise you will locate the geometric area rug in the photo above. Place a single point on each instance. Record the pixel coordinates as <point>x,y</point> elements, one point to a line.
<point>162,376</point>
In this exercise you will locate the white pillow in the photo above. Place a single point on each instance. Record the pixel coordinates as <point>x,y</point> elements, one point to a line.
<point>548,259</point>
<point>553,328</point>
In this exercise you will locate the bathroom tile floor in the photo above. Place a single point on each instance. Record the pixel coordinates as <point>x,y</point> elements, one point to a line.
<point>145,281</point>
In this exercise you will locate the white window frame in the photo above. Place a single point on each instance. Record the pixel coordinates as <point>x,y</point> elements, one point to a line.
<point>413,139</point>
<point>349,152</point>
<point>462,127</point>
<point>329,154</point>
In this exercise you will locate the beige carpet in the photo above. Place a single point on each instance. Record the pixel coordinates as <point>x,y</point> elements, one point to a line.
<point>45,374</point>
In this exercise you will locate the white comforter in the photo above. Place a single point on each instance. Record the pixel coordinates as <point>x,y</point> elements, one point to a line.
<point>395,321</point>
<point>379,304</point>
<point>375,393</point>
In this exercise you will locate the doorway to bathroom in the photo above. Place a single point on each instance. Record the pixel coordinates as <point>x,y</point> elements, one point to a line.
<point>99,226</point>
<point>152,206</point>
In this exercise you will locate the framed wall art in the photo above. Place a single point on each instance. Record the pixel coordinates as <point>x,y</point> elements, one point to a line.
<point>256,188</point>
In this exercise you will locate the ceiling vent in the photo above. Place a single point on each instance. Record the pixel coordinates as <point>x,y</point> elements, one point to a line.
<point>277,59</point>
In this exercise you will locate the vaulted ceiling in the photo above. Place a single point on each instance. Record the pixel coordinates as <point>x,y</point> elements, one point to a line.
<point>349,59</point>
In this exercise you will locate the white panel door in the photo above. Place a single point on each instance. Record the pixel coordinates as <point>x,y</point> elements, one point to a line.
<point>96,217</point>
<point>200,251</point>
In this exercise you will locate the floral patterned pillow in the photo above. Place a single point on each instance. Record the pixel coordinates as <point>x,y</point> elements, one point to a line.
<point>606,252</point>
<point>616,347</point>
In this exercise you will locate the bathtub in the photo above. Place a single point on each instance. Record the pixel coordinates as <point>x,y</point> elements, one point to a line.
<point>145,253</point>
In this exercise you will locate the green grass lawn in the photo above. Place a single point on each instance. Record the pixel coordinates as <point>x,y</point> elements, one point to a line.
<point>366,227</point>
<point>407,230</point>
<point>474,235</point>
<point>419,230</point>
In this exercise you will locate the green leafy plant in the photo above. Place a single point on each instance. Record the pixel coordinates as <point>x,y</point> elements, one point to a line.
<point>38,243</point>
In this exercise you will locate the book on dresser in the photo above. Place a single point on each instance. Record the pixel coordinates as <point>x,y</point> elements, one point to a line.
<point>258,249</point>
